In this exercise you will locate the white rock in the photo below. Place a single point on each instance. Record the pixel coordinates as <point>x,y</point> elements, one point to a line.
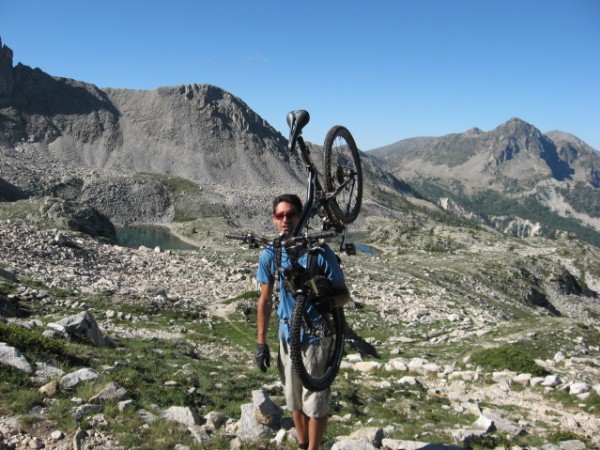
<point>484,424</point>
<point>366,366</point>
<point>79,376</point>
<point>505,375</point>
<point>559,357</point>
<point>354,357</point>
<point>522,378</point>
<point>181,414</point>
<point>396,364</point>
<point>416,364</point>
<point>13,357</point>
<point>412,381</point>
<point>579,388</point>
<point>551,381</point>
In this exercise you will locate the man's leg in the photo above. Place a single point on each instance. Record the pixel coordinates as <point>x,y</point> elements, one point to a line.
<point>302,424</point>
<point>316,431</point>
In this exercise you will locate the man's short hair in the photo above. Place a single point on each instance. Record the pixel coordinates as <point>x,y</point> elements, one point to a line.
<point>292,199</point>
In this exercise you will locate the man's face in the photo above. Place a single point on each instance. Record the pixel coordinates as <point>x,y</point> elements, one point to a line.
<point>286,217</point>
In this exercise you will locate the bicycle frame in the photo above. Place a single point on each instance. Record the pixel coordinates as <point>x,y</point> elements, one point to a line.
<point>314,190</point>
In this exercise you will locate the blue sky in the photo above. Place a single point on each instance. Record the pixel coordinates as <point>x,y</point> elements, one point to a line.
<point>387,69</point>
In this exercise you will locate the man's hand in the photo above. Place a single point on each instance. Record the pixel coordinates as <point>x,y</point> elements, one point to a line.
<point>323,295</point>
<point>323,304</point>
<point>263,356</point>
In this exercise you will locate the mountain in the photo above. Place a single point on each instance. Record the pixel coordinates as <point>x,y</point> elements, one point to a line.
<point>403,146</point>
<point>167,154</point>
<point>515,150</point>
<point>198,132</point>
<point>514,170</point>
<point>183,152</point>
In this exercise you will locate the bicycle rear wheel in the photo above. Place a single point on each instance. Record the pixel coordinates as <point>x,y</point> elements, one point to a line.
<point>316,364</point>
<point>343,176</point>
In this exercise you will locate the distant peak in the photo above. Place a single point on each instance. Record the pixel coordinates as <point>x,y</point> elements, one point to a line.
<point>516,121</point>
<point>561,135</point>
<point>474,131</point>
<point>516,125</point>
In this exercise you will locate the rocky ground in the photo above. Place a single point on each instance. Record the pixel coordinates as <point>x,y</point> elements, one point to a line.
<point>417,318</point>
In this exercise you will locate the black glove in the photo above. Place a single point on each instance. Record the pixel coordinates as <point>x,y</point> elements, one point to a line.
<point>263,356</point>
<point>323,295</point>
<point>323,304</point>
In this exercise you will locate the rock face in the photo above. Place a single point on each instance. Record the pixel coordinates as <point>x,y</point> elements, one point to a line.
<point>78,217</point>
<point>6,74</point>
<point>127,153</point>
<point>199,132</point>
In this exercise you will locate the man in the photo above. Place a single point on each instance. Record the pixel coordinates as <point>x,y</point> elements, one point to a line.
<point>309,409</point>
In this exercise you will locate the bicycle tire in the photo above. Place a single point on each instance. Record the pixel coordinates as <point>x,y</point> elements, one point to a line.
<point>312,379</point>
<point>341,161</point>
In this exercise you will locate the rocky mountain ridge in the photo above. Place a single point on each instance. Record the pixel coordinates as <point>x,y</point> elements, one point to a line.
<point>198,132</point>
<point>442,287</point>
<point>514,150</point>
<point>551,180</point>
<point>211,154</point>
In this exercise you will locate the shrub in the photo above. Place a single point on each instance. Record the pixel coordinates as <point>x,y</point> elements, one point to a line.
<point>13,376</point>
<point>32,342</point>
<point>507,357</point>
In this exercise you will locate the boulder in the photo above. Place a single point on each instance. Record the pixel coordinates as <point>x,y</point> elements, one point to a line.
<point>267,412</point>
<point>79,217</point>
<point>112,391</point>
<point>73,379</point>
<point>353,444</point>
<point>83,325</point>
<point>182,414</point>
<point>10,356</point>
<point>259,419</point>
<point>372,434</point>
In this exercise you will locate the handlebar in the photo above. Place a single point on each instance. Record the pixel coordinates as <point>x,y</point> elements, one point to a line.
<point>283,242</point>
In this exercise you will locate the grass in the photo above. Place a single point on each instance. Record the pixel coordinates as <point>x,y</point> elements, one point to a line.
<point>507,357</point>
<point>561,436</point>
<point>33,344</point>
<point>145,367</point>
<point>177,185</point>
<point>156,373</point>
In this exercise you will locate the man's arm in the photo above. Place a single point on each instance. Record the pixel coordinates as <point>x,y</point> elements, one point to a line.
<point>263,313</point>
<point>342,295</point>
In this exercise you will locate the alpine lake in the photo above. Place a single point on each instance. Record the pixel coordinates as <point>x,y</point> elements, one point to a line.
<point>152,236</point>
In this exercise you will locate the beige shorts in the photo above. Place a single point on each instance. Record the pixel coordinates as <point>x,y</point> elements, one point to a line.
<point>297,397</point>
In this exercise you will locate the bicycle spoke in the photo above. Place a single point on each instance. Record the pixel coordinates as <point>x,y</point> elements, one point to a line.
<point>343,176</point>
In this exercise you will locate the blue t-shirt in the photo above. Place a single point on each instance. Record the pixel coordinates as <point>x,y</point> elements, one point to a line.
<point>327,265</point>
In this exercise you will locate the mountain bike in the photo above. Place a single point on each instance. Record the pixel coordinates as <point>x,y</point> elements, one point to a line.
<point>337,204</point>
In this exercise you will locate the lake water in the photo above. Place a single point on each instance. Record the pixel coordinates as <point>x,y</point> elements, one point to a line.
<point>366,249</point>
<point>151,236</point>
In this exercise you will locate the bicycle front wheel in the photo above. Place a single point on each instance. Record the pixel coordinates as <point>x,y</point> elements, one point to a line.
<point>343,176</point>
<point>316,348</point>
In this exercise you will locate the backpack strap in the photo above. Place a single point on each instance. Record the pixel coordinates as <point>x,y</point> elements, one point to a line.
<point>311,263</point>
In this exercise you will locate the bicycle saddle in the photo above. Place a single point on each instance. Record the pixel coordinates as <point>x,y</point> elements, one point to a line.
<point>297,120</point>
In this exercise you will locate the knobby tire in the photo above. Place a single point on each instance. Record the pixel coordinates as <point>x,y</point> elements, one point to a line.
<point>313,380</point>
<point>342,165</point>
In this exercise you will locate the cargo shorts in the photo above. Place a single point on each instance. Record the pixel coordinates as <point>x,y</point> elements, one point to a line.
<point>297,397</point>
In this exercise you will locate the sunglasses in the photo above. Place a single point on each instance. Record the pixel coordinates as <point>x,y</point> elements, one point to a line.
<point>284,215</point>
